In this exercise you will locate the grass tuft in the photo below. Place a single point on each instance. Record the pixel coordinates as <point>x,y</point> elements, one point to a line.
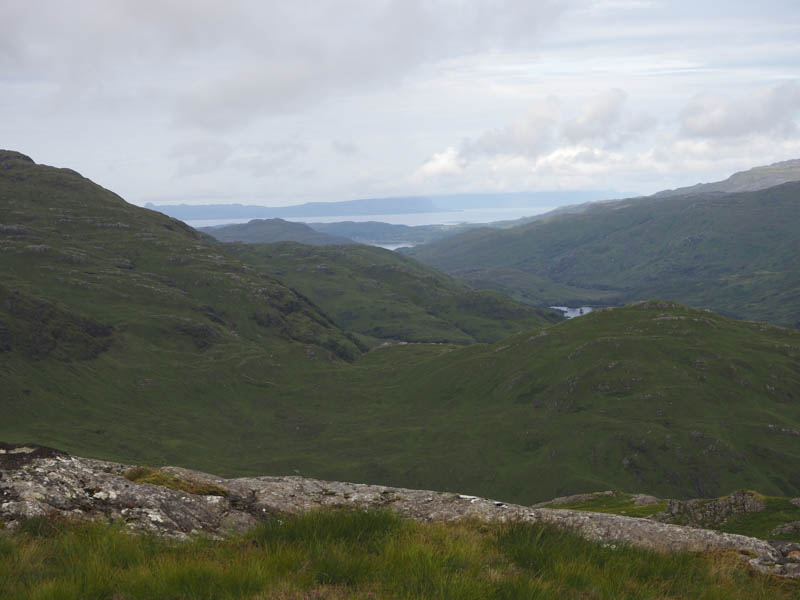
<point>156,477</point>
<point>363,556</point>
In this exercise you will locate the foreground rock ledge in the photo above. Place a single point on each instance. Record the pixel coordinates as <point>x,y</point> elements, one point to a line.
<point>37,481</point>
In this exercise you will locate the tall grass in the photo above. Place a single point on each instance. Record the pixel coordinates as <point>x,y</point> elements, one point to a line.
<point>360,555</point>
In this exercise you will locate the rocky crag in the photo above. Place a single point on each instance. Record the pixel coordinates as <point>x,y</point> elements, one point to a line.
<point>38,481</point>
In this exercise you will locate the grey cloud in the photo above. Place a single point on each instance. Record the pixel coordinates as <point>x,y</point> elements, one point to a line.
<point>208,156</point>
<point>345,147</point>
<point>597,118</point>
<point>528,135</point>
<point>200,156</point>
<point>770,111</point>
<point>224,64</point>
<point>603,119</point>
<point>269,159</point>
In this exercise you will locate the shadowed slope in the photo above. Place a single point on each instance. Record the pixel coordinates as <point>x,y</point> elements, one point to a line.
<point>385,295</point>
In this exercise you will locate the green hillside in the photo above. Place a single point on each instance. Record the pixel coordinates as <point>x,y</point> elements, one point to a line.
<point>126,335</point>
<point>118,324</point>
<point>734,253</point>
<point>273,230</point>
<point>385,295</point>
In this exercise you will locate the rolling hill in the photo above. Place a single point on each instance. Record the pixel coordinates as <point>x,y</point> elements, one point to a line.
<point>128,336</point>
<point>384,295</point>
<point>735,253</point>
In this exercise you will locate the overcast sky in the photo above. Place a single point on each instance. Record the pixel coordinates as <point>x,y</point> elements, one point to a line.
<point>276,103</point>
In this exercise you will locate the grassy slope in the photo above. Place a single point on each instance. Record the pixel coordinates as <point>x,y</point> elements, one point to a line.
<point>120,326</point>
<point>735,253</point>
<point>192,358</point>
<point>655,397</point>
<point>273,230</point>
<point>362,556</point>
<point>382,294</point>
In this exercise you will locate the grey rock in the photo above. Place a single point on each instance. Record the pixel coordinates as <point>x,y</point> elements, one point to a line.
<point>645,500</point>
<point>576,498</point>
<point>47,482</point>
<point>704,512</point>
<point>787,528</point>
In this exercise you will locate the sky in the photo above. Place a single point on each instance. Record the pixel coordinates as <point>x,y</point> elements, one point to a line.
<point>284,102</point>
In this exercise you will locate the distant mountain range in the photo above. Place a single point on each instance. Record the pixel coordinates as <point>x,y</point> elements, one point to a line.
<point>757,178</point>
<point>382,206</point>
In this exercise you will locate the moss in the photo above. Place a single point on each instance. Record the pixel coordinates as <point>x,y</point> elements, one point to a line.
<point>156,477</point>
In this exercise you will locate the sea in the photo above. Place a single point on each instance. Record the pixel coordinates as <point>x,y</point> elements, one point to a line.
<point>571,313</point>
<point>454,217</point>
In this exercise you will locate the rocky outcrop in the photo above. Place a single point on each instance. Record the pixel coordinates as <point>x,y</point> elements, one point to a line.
<point>703,512</point>
<point>577,498</point>
<point>637,499</point>
<point>37,481</point>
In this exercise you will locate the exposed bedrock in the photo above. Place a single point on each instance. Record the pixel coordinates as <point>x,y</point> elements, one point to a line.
<point>36,481</point>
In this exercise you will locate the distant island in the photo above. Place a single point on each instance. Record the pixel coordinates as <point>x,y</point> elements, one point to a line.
<point>383,206</point>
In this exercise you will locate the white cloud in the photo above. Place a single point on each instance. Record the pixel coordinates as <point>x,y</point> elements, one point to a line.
<point>772,110</point>
<point>607,142</point>
<point>542,139</point>
<point>527,135</point>
<point>443,164</point>
<point>599,117</point>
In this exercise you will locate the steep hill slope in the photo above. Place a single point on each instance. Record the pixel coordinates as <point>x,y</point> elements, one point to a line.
<point>75,252</point>
<point>118,324</point>
<point>268,231</point>
<point>385,295</point>
<point>735,253</point>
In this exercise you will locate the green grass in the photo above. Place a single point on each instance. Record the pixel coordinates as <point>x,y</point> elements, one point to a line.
<point>361,555</point>
<point>156,477</point>
<point>778,511</point>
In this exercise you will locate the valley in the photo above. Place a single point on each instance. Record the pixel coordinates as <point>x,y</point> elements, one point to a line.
<point>129,336</point>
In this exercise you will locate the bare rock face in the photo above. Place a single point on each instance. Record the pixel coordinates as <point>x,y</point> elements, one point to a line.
<point>36,481</point>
